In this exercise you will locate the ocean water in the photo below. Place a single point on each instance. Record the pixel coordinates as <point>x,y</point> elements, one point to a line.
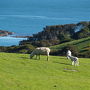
<point>27,17</point>
<point>9,41</point>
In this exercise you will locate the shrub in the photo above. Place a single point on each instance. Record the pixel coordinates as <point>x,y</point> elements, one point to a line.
<point>63,50</point>
<point>21,49</point>
<point>72,48</point>
<point>85,54</point>
<point>85,32</point>
<point>2,48</point>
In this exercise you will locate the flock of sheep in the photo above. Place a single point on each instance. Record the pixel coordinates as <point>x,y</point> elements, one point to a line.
<point>45,50</point>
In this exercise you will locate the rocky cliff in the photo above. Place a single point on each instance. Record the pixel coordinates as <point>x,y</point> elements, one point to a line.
<point>5,33</point>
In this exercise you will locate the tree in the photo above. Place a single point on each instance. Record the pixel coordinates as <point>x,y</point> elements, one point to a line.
<point>85,32</point>
<point>72,48</point>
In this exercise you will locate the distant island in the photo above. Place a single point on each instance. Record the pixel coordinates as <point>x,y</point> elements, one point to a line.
<point>5,33</point>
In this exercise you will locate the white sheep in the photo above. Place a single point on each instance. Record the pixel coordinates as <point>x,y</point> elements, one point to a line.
<point>69,53</point>
<point>74,60</point>
<point>40,51</point>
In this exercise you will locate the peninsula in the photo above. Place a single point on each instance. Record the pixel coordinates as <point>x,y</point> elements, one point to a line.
<point>5,33</point>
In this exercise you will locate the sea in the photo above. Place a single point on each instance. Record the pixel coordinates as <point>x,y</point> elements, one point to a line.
<point>28,17</point>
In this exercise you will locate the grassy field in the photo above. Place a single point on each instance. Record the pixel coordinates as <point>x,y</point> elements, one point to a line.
<point>81,44</point>
<point>18,72</point>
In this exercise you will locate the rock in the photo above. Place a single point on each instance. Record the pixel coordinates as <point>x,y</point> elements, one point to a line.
<point>5,33</point>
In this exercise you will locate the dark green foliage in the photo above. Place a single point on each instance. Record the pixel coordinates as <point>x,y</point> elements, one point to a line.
<point>80,48</point>
<point>2,49</point>
<point>18,49</point>
<point>85,54</point>
<point>53,35</point>
<point>45,43</point>
<point>72,48</point>
<point>63,50</point>
<point>85,32</point>
<point>23,42</point>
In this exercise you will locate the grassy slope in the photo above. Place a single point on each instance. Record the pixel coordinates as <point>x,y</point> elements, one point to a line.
<point>18,72</point>
<point>81,44</point>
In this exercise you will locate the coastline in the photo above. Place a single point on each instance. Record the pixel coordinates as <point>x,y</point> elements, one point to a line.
<point>9,38</point>
<point>21,36</point>
<point>4,33</point>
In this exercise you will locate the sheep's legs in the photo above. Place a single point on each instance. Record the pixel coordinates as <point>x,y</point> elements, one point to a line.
<point>73,62</point>
<point>68,57</point>
<point>37,56</point>
<point>47,56</point>
<point>77,63</point>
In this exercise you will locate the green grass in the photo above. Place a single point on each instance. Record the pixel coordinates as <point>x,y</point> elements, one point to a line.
<point>81,44</point>
<point>18,72</point>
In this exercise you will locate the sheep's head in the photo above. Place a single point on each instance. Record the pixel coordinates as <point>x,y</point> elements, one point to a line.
<point>31,56</point>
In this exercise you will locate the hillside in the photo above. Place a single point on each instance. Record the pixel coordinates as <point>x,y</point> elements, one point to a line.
<point>56,34</point>
<point>59,38</point>
<point>82,46</point>
<point>18,72</point>
<point>72,36</point>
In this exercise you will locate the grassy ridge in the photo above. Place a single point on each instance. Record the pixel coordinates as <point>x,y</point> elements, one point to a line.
<point>80,44</point>
<point>18,72</point>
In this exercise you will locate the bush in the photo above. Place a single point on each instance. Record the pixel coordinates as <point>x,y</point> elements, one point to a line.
<point>63,51</point>
<point>45,43</point>
<point>2,48</point>
<point>72,48</point>
<point>21,49</point>
<point>85,54</point>
<point>85,32</point>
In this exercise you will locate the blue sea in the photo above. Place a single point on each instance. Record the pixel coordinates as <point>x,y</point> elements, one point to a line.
<point>28,17</point>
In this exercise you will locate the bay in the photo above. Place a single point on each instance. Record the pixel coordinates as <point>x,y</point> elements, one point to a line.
<point>27,17</point>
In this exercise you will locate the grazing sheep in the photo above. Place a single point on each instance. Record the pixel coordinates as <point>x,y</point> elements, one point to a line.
<point>74,60</point>
<point>39,51</point>
<point>69,53</point>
